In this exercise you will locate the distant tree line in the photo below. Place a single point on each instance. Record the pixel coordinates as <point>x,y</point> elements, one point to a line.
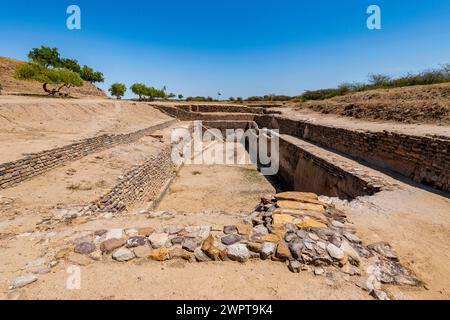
<point>48,67</point>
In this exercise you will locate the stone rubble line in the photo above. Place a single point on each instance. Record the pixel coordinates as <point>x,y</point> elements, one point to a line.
<point>12,173</point>
<point>293,227</point>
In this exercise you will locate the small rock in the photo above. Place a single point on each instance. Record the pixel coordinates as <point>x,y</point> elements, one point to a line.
<point>260,229</point>
<point>229,229</point>
<point>352,253</point>
<point>142,251</point>
<point>96,255</point>
<point>178,253</point>
<point>238,252</point>
<point>268,249</point>
<point>283,253</point>
<point>335,240</point>
<point>335,252</point>
<point>177,240</point>
<point>309,244</point>
<point>295,266</point>
<point>271,238</point>
<point>160,254</point>
<point>200,256</point>
<point>136,241</point>
<point>230,239</point>
<point>296,248</point>
<point>145,231</point>
<point>244,229</point>
<point>384,249</point>
<point>79,259</point>
<point>190,244</point>
<point>313,236</point>
<point>85,248</point>
<point>255,246</point>
<point>158,240</point>
<point>352,237</point>
<point>42,270</point>
<point>36,263</point>
<point>302,234</point>
<point>114,233</point>
<point>211,250</point>
<point>379,295</point>
<point>23,281</point>
<point>110,245</point>
<point>173,229</point>
<point>123,254</point>
<point>319,271</point>
<point>290,227</point>
<point>337,224</point>
<point>290,236</point>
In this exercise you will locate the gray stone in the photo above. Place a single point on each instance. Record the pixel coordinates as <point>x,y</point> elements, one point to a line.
<point>85,248</point>
<point>36,263</point>
<point>230,239</point>
<point>200,256</point>
<point>131,232</point>
<point>351,252</point>
<point>260,229</point>
<point>268,249</point>
<point>352,237</point>
<point>335,240</point>
<point>229,229</point>
<point>313,236</point>
<point>158,240</point>
<point>296,248</point>
<point>295,266</point>
<point>238,252</point>
<point>302,234</point>
<point>309,244</point>
<point>335,252</point>
<point>177,240</point>
<point>173,229</point>
<point>23,281</point>
<point>290,227</point>
<point>379,295</point>
<point>384,249</point>
<point>136,241</point>
<point>123,254</point>
<point>111,244</point>
<point>318,271</point>
<point>337,224</point>
<point>289,236</point>
<point>190,244</point>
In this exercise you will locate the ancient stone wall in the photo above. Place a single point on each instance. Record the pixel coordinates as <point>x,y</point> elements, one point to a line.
<point>142,184</point>
<point>220,108</point>
<point>190,116</point>
<point>12,173</point>
<point>423,159</point>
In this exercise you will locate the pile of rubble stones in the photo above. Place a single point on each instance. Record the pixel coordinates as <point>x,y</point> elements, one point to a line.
<point>293,227</point>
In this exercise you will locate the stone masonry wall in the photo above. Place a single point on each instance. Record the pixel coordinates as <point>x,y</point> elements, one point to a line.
<point>190,116</point>
<point>220,108</point>
<point>423,159</point>
<point>141,184</point>
<point>12,173</point>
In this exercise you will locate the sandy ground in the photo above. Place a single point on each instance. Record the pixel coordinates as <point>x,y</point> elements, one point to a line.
<point>200,188</point>
<point>31,124</point>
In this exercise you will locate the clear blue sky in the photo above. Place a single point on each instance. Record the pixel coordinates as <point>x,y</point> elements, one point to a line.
<point>237,47</point>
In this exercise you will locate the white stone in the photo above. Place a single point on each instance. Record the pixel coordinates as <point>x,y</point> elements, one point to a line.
<point>23,281</point>
<point>123,254</point>
<point>335,252</point>
<point>114,233</point>
<point>238,252</point>
<point>158,240</point>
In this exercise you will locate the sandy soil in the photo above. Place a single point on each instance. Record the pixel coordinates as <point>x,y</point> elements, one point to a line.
<point>200,187</point>
<point>30,124</point>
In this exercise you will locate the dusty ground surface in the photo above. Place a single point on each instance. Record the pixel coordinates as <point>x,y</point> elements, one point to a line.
<point>200,187</point>
<point>13,86</point>
<point>417,104</point>
<point>30,124</point>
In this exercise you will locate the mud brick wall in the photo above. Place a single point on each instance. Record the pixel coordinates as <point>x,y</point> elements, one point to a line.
<point>425,160</point>
<point>12,173</point>
<point>190,116</point>
<point>141,184</point>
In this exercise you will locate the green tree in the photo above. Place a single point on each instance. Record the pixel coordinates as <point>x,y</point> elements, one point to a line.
<point>45,56</point>
<point>139,89</point>
<point>70,64</point>
<point>62,78</point>
<point>180,97</point>
<point>117,90</point>
<point>88,74</point>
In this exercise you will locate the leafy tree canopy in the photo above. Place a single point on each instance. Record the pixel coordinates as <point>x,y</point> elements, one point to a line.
<point>117,90</point>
